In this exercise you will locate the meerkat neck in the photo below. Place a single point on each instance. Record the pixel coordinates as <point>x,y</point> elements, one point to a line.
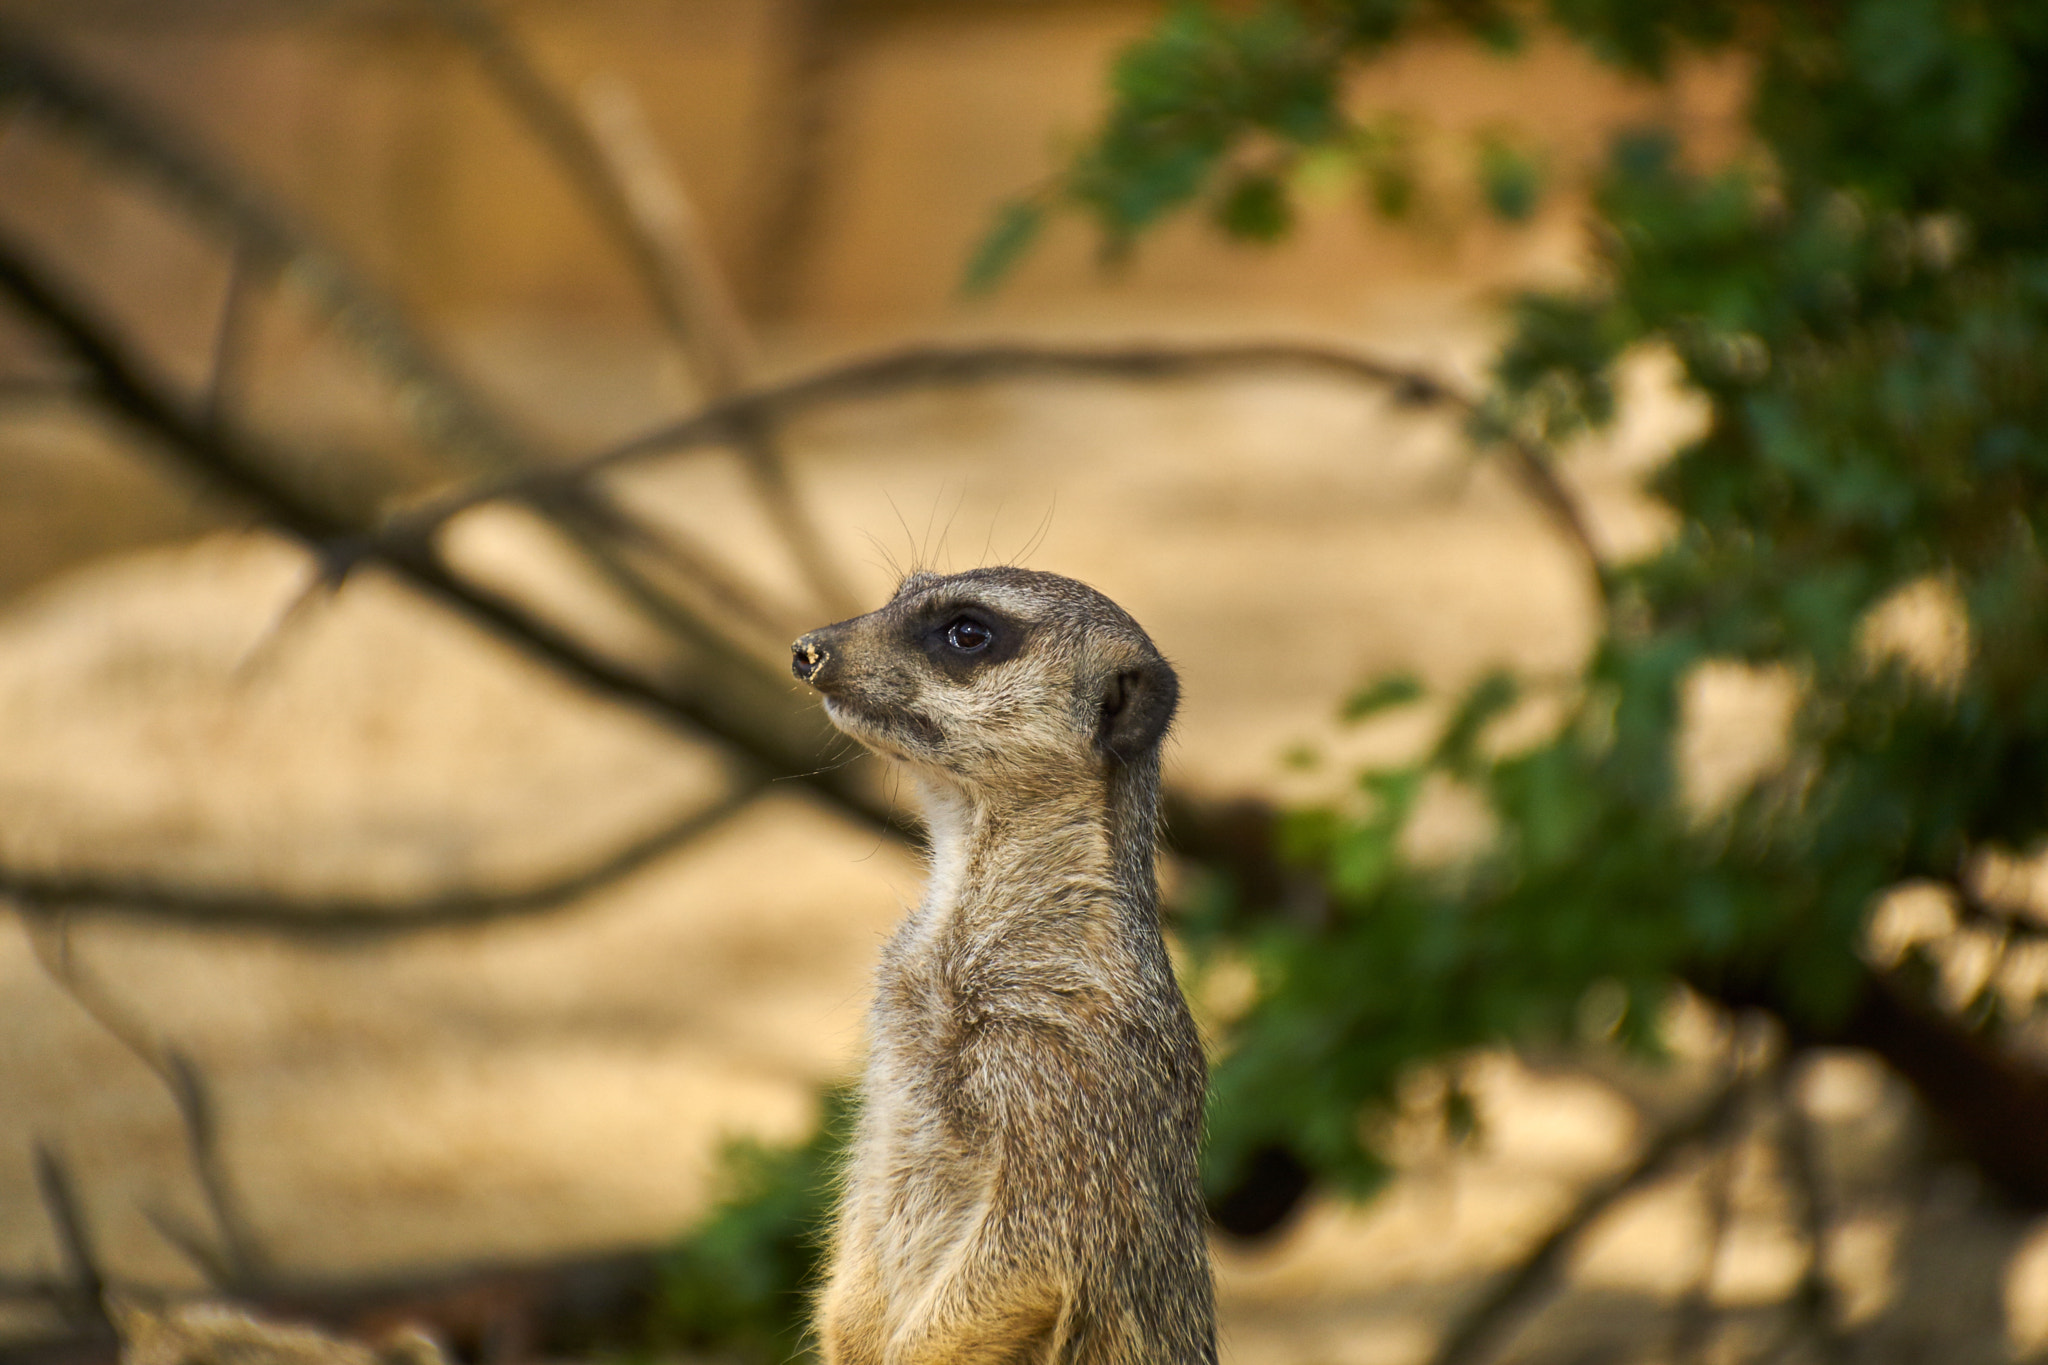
<point>993,859</point>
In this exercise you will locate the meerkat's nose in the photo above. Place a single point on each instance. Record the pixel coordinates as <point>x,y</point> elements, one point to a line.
<point>807,656</point>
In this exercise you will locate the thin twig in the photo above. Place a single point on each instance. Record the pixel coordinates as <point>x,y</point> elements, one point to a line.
<point>33,1289</point>
<point>241,1260</point>
<point>611,159</point>
<point>1816,1311</point>
<point>32,391</point>
<point>441,404</point>
<point>74,1234</point>
<point>791,170</point>
<point>717,341</point>
<point>710,701</point>
<point>1487,1324</point>
<point>347,918</point>
<point>205,1257</point>
<point>1693,1319</point>
<point>442,407</point>
<point>960,366</point>
<point>568,142</point>
<point>230,338</point>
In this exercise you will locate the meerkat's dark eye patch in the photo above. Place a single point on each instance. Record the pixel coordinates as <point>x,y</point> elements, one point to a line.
<point>962,640</point>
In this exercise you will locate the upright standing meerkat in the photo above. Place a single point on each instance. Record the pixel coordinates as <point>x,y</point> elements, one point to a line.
<point>1022,1185</point>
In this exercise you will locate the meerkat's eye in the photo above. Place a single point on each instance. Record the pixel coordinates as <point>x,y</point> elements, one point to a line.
<point>968,635</point>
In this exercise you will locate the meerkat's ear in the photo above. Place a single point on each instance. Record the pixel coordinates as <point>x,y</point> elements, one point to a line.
<point>1137,705</point>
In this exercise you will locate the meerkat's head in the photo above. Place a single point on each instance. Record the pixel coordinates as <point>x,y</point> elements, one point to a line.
<point>995,676</point>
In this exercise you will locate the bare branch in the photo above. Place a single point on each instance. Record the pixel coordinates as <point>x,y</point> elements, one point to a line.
<point>729,698</point>
<point>946,367</point>
<point>35,390</point>
<point>506,65</point>
<point>1484,1327</point>
<point>230,338</point>
<point>241,1259</point>
<point>193,1245</point>
<point>443,408</point>
<point>347,918</point>
<point>33,1289</point>
<point>816,38</point>
<point>1816,1314</point>
<point>1693,1318</point>
<point>442,405</point>
<point>716,340</point>
<point>74,1236</point>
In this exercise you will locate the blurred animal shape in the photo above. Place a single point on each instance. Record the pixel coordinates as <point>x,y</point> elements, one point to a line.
<point>208,1333</point>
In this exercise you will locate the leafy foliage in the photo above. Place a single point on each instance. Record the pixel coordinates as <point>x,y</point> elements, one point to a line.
<point>741,1281</point>
<point>1861,297</point>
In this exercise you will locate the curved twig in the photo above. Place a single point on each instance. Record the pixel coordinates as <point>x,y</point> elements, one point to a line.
<point>961,366</point>
<point>572,147</point>
<point>240,1259</point>
<point>1486,1325</point>
<point>612,161</point>
<point>85,1301</point>
<point>721,699</point>
<point>443,408</point>
<point>43,896</point>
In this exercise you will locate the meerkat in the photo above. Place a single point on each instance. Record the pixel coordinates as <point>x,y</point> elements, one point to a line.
<point>1022,1185</point>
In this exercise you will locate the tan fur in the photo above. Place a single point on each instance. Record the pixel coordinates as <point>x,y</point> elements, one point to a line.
<point>1023,1182</point>
<point>201,1333</point>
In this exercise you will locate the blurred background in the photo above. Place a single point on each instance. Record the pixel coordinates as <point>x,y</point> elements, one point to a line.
<point>424,871</point>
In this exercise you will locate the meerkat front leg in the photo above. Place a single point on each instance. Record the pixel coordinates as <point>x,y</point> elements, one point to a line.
<point>985,1309</point>
<point>852,1311</point>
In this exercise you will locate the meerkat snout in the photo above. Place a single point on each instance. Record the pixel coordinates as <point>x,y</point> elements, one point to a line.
<point>806,659</point>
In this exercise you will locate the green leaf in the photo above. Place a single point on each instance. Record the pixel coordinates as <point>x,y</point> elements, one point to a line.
<point>1256,209</point>
<point>1511,178</point>
<point>1382,694</point>
<point>1016,226</point>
